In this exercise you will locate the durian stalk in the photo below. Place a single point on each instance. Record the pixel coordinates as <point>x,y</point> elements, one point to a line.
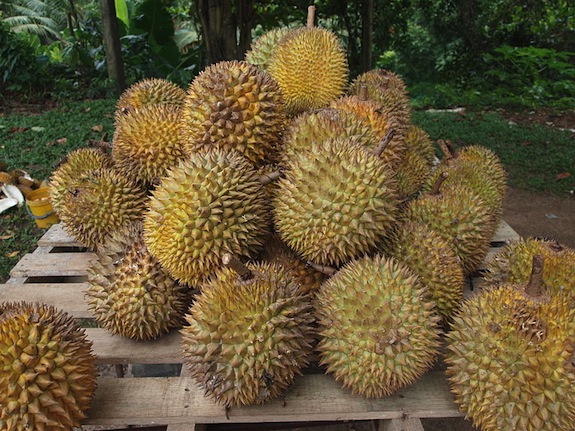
<point>437,184</point>
<point>362,95</point>
<point>310,16</point>
<point>534,286</point>
<point>377,151</point>
<point>327,270</point>
<point>237,266</point>
<point>265,179</point>
<point>445,148</point>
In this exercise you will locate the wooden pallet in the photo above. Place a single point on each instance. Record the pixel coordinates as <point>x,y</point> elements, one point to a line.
<point>55,274</point>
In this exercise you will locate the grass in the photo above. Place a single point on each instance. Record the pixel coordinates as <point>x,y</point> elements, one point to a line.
<point>534,156</point>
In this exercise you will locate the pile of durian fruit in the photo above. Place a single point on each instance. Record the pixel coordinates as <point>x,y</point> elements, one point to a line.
<point>275,212</point>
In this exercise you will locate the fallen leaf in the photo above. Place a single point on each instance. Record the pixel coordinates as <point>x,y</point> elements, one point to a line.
<point>9,234</point>
<point>62,140</point>
<point>562,176</point>
<point>37,129</point>
<point>17,129</point>
<point>97,128</point>
<point>13,254</point>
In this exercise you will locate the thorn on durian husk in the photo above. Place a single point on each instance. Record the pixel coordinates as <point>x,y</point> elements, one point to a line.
<point>310,16</point>
<point>237,266</point>
<point>265,179</point>
<point>534,286</point>
<point>382,145</point>
<point>327,270</point>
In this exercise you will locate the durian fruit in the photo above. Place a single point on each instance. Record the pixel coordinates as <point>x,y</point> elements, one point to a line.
<point>211,204</point>
<point>311,68</point>
<point>411,174</point>
<point>129,293</point>
<point>147,142</point>
<point>149,91</point>
<point>47,369</point>
<point>324,124</point>
<point>482,172</point>
<point>76,163</point>
<point>249,334</point>
<point>385,87</point>
<point>335,202</point>
<point>433,259</point>
<point>378,328</point>
<point>234,105</point>
<point>383,121</point>
<point>418,141</point>
<point>510,357</point>
<point>512,264</point>
<point>98,203</point>
<point>460,216</point>
<point>276,251</point>
<point>6,178</point>
<point>261,49</point>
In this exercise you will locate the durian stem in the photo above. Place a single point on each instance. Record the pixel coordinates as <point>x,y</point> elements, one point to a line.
<point>445,147</point>
<point>327,270</point>
<point>382,145</point>
<point>310,16</point>
<point>265,179</point>
<point>534,286</point>
<point>362,95</point>
<point>237,266</point>
<point>437,184</point>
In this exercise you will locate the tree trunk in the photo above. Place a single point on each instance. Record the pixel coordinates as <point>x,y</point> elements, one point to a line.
<point>366,34</point>
<point>111,37</point>
<point>245,24</point>
<point>218,29</point>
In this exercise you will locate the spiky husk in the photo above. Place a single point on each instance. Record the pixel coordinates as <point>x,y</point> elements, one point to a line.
<point>147,142</point>
<point>471,175</point>
<point>211,204</point>
<point>276,251</point>
<point>321,125</point>
<point>512,264</point>
<point>98,203</point>
<point>382,121</point>
<point>461,217</point>
<point>6,178</point>
<point>246,340</point>
<point>261,49</point>
<point>433,259</point>
<point>412,173</point>
<point>335,202</point>
<point>378,328</point>
<point>418,140</point>
<point>234,105</point>
<point>47,369</point>
<point>129,293</point>
<point>487,161</point>
<point>149,91</point>
<point>311,68</point>
<point>387,88</point>
<point>76,163</point>
<point>510,361</point>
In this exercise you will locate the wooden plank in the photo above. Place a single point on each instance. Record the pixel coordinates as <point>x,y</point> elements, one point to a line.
<point>115,349</point>
<point>504,233</point>
<point>178,400</point>
<point>68,297</point>
<point>56,236</point>
<point>52,265</point>
<point>402,424</point>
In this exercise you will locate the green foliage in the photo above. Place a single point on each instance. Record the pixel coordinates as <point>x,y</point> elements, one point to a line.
<point>533,155</point>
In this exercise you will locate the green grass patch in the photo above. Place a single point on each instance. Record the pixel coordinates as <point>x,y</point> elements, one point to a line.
<point>537,158</point>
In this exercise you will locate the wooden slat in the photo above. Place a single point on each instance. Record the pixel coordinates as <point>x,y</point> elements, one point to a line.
<point>115,349</point>
<point>52,265</point>
<point>504,233</point>
<point>56,236</point>
<point>404,424</point>
<point>68,297</point>
<point>178,400</point>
